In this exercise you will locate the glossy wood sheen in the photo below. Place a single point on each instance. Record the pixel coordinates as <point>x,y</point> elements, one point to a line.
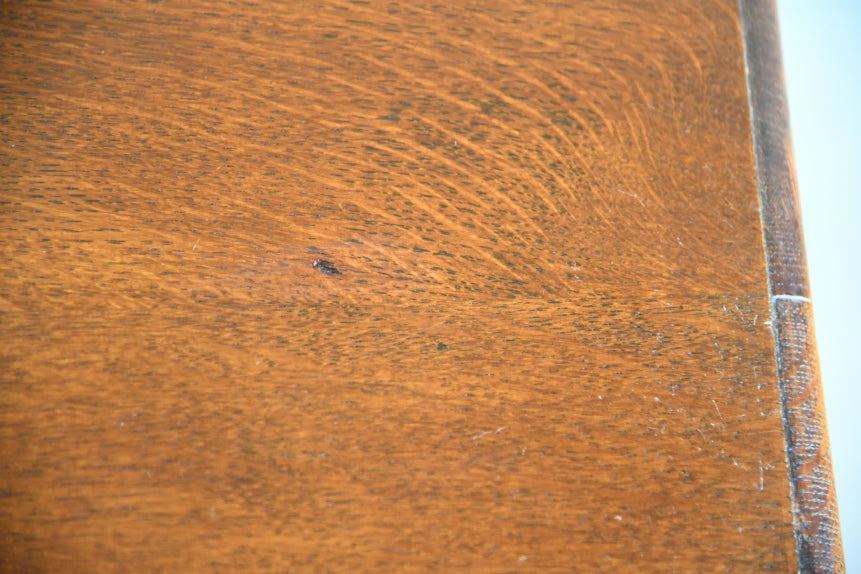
<point>548,347</point>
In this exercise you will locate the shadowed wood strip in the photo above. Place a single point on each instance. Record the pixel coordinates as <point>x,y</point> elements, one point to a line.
<point>814,501</point>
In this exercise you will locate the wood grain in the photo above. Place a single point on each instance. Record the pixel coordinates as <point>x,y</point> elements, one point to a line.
<point>548,347</point>
<point>814,500</point>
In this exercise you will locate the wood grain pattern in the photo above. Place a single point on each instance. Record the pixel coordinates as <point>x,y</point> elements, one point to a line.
<point>548,347</point>
<point>814,499</point>
<point>787,261</point>
<point>815,504</point>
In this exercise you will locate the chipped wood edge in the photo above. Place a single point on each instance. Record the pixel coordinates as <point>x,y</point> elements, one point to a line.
<point>814,504</point>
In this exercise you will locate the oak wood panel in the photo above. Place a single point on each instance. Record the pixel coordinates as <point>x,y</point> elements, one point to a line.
<point>548,347</point>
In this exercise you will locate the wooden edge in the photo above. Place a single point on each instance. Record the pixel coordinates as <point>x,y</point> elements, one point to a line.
<point>814,502</point>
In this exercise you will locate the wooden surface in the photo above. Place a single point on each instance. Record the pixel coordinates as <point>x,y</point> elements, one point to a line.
<point>549,344</point>
<point>813,498</point>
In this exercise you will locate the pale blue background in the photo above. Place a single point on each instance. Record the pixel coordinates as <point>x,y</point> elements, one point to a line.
<point>822,61</point>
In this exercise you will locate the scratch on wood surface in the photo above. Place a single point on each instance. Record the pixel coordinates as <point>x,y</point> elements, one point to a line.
<point>718,410</point>
<point>485,433</point>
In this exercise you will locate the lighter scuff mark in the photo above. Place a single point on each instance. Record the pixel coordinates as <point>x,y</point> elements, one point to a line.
<point>718,410</point>
<point>629,194</point>
<point>799,298</point>
<point>485,433</point>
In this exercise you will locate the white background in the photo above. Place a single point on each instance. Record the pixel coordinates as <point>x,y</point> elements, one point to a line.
<point>822,60</point>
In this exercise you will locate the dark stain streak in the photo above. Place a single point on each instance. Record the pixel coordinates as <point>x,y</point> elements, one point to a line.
<point>325,267</point>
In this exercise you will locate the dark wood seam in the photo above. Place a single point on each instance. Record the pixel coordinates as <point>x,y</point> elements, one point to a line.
<point>814,504</point>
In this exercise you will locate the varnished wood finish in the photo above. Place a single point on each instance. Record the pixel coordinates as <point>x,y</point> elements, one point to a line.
<point>548,345</point>
<point>814,500</point>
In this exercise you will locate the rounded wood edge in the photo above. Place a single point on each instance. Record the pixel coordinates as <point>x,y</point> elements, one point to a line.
<point>815,505</point>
